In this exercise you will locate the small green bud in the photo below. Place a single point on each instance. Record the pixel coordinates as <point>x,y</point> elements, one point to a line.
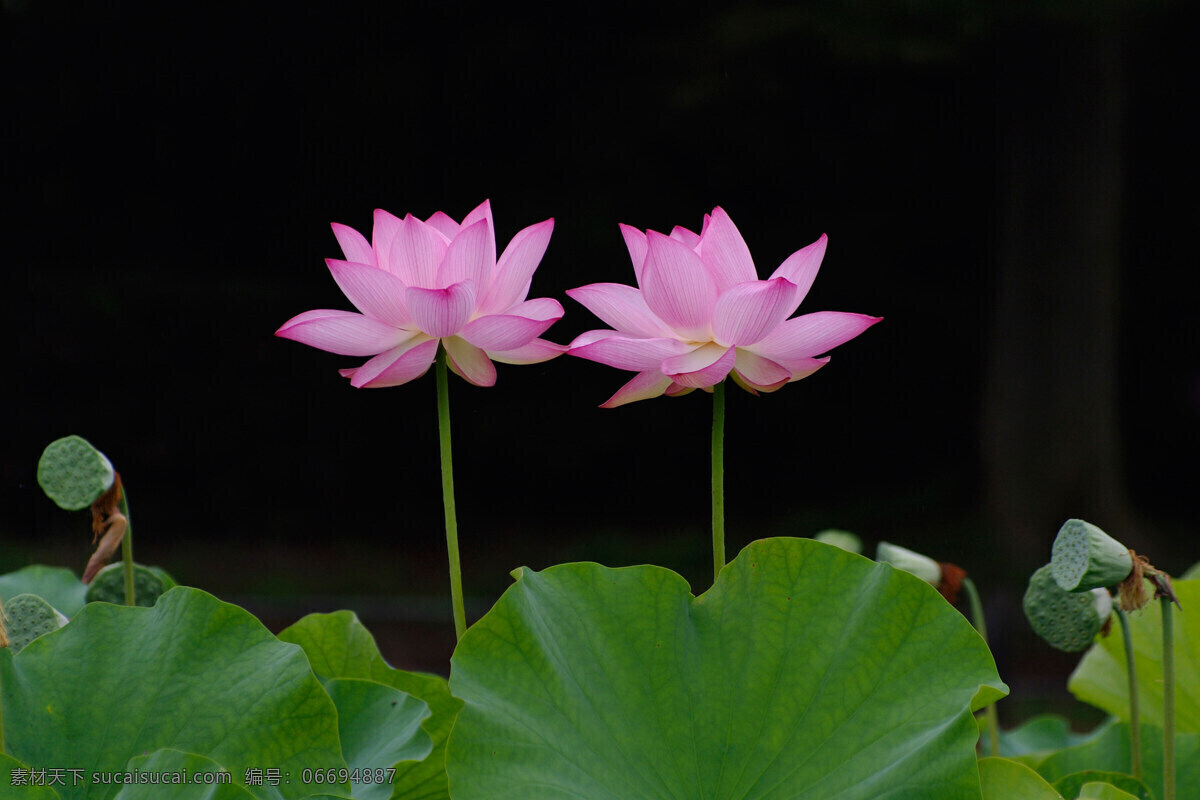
<point>1085,557</point>
<point>923,567</point>
<point>843,539</point>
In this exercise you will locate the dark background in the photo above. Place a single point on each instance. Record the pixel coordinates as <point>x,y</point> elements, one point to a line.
<point>1012,186</point>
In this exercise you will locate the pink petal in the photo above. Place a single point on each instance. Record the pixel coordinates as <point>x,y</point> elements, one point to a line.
<point>678,390</point>
<point>749,311</point>
<point>622,307</point>
<point>416,253</point>
<point>725,253</point>
<point>441,312</point>
<point>635,242</point>
<point>687,238</point>
<point>469,362</point>
<point>535,352</point>
<point>467,257</point>
<point>760,373</point>
<point>354,245</point>
<point>342,332</point>
<point>643,386</point>
<point>483,212</point>
<point>387,228</point>
<point>801,267</point>
<point>639,355</point>
<point>677,287</point>
<point>376,293</point>
<point>444,224</point>
<point>399,365</point>
<point>514,270</point>
<point>802,368</point>
<point>705,366</point>
<point>509,331</point>
<point>812,334</point>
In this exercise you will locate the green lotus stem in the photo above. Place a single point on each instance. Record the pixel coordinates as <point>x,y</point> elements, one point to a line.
<point>1168,658</point>
<point>1135,719</point>
<point>127,551</point>
<point>718,479</point>
<point>443,400</point>
<point>977,618</point>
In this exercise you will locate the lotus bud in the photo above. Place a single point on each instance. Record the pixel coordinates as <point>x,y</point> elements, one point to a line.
<point>923,567</point>
<point>1068,621</point>
<point>1085,557</point>
<point>843,539</point>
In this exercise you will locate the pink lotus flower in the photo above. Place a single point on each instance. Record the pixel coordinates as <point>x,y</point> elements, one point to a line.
<point>420,283</point>
<point>702,313</point>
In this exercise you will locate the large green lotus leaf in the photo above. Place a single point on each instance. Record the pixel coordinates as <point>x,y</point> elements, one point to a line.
<point>1072,785</point>
<point>1005,779</point>
<point>1040,736</point>
<point>339,646</point>
<point>165,765</point>
<point>58,586</point>
<point>1100,678</point>
<point>806,672</point>
<point>379,726</point>
<point>1110,752</point>
<point>16,783</point>
<point>1104,791</point>
<point>191,673</point>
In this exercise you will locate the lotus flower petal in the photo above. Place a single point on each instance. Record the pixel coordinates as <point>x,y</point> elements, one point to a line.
<point>387,228</point>
<point>747,312</point>
<point>635,242</point>
<point>354,245</point>
<point>342,332</point>
<point>704,366</point>
<point>514,270</point>
<point>535,352</point>
<point>812,334</point>
<point>678,288</point>
<point>469,362</point>
<point>378,294</point>
<point>441,312</point>
<point>468,256</point>
<point>509,331</point>
<point>483,213</point>
<point>801,267</point>
<point>399,365</point>
<point>687,238</point>
<point>444,224</point>
<point>416,254</point>
<point>623,352</point>
<point>643,386</point>
<point>761,374</point>
<point>725,253</point>
<point>623,307</point>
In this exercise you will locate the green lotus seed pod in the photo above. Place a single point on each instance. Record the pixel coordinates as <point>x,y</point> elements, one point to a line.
<point>1068,621</point>
<point>923,567</point>
<point>1085,557</point>
<point>29,617</point>
<point>843,539</point>
<point>74,474</point>
<point>109,586</point>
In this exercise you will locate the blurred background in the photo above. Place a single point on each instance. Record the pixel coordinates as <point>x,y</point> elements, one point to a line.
<point>1011,185</point>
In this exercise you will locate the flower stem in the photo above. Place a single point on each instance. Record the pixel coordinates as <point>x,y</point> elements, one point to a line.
<point>1168,661</point>
<point>1135,719</point>
<point>718,479</point>
<point>127,551</point>
<point>443,401</point>
<point>977,618</point>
